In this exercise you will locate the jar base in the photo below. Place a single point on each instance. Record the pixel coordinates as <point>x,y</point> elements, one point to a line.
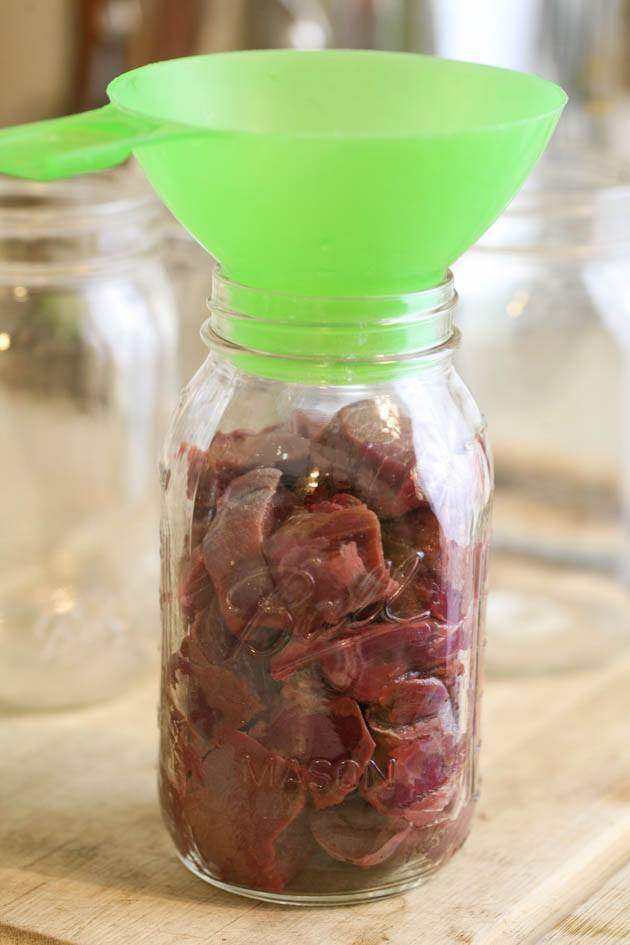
<point>287,898</point>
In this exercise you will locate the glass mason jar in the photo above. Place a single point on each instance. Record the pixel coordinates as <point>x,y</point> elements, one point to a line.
<point>87,379</point>
<point>545,313</point>
<point>324,535</point>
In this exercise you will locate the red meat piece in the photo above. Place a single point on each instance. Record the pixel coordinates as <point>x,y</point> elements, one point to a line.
<point>435,575</point>
<point>232,548</point>
<point>429,578</point>
<point>212,636</point>
<point>412,697</point>
<point>173,734</point>
<point>178,760</point>
<point>451,593</point>
<point>327,564</point>
<point>368,445</point>
<point>328,738</point>
<point>201,486</point>
<point>412,544</point>
<point>226,689</point>
<point>365,664</point>
<point>197,592</point>
<point>243,814</point>
<point>299,653</point>
<point>437,842</point>
<point>247,656</point>
<point>422,762</point>
<point>356,833</point>
<point>442,725</point>
<point>342,500</point>
<point>220,645</point>
<point>308,425</point>
<point>414,536</point>
<point>232,454</point>
<point>186,698</point>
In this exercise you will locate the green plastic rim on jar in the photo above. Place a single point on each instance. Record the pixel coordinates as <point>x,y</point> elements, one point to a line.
<point>307,338</point>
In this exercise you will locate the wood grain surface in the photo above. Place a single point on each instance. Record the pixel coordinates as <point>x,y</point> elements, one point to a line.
<point>84,858</point>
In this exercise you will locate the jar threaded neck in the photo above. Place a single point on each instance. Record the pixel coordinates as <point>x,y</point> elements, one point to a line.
<point>347,331</point>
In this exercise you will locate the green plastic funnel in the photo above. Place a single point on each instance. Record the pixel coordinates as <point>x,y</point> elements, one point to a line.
<point>329,173</point>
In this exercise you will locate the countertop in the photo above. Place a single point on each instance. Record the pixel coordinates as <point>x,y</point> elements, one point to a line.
<point>84,858</point>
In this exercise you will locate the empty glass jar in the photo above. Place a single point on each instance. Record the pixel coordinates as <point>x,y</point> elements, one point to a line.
<point>323,575</point>
<point>544,308</point>
<point>87,376</point>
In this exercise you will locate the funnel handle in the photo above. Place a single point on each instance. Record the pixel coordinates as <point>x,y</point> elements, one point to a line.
<point>77,144</point>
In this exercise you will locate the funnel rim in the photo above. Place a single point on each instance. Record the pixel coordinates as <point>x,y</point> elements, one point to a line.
<point>189,128</point>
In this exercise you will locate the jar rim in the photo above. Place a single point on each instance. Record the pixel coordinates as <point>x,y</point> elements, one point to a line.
<point>315,337</point>
<point>76,204</point>
<point>426,301</point>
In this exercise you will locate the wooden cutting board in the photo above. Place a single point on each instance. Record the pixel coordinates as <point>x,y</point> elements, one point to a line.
<point>84,858</point>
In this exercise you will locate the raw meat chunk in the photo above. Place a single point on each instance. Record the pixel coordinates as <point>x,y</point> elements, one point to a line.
<point>356,833</point>
<point>232,548</point>
<point>366,663</point>
<point>197,592</point>
<point>422,762</point>
<point>368,445</point>
<point>243,813</point>
<point>225,688</point>
<point>328,563</point>
<point>412,697</point>
<point>327,736</point>
<point>232,454</point>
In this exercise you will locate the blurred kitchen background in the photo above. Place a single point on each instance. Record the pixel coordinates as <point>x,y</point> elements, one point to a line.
<point>545,316</point>
<point>56,56</point>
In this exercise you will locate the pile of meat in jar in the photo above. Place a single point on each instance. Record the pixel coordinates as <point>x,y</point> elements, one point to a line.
<point>313,709</point>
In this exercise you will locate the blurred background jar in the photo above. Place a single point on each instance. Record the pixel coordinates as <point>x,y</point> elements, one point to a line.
<point>190,269</point>
<point>545,311</point>
<point>87,381</point>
